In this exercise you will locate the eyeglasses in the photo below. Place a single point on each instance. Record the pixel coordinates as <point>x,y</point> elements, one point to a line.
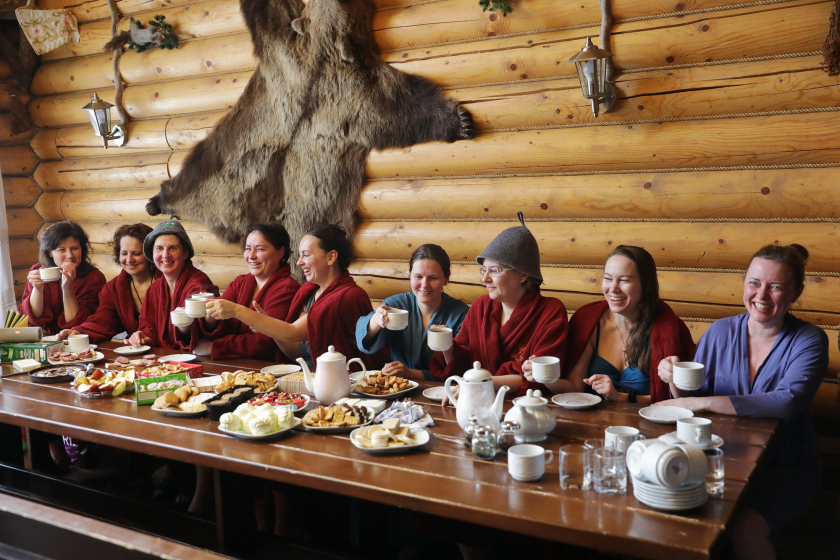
<point>494,271</point>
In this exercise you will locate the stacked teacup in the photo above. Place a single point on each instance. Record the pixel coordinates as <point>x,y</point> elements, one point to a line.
<point>667,473</point>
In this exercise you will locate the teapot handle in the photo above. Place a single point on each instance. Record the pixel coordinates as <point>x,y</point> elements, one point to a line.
<point>361,363</point>
<point>448,391</point>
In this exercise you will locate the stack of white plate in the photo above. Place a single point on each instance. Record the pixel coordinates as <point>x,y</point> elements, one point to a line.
<point>685,496</point>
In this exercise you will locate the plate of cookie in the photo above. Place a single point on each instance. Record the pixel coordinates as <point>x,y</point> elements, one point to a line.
<point>378,385</point>
<point>263,381</point>
<point>336,419</point>
<point>184,402</point>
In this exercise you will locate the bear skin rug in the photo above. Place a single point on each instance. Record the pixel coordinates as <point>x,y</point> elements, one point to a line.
<point>293,148</point>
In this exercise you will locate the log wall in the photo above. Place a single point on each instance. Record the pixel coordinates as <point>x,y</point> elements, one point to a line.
<point>723,139</point>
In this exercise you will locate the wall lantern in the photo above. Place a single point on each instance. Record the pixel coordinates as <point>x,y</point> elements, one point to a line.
<point>100,117</point>
<point>591,63</point>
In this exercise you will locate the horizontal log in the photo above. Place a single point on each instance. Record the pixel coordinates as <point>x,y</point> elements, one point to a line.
<point>702,245</point>
<point>17,160</point>
<point>732,34</point>
<point>23,222</point>
<point>44,144</point>
<point>764,194</point>
<point>204,242</point>
<point>19,191</point>
<point>105,173</point>
<point>19,275</point>
<point>23,252</point>
<point>48,206</point>
<point>6,91</point>
<point>198,19</point>
<point>185,132</point>
<point>79,141</point>
<point>777,140</point>
<point>99,206</point>
<point>176,161</point>
<point>6,136</point>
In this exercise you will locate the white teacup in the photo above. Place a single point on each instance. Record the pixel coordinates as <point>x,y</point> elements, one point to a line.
<point>689,376</point>
<point>180,318</point>
<point>619,438</point>
<point>440,338</point>
<point>546,369</point>
<point>203,296</point>
<point>195,308</point>
<point>664,464</point>
<point>695,430</point>
<point>50,274</point>
<point>78,342</point>
<point>526,463</point>
<point>397,319</point>
<point>696,462</point>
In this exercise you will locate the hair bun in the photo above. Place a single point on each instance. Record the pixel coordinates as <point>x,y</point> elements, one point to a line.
<point>801,251</point>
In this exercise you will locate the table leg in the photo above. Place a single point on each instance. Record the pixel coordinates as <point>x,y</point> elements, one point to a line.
<point>235,525</point>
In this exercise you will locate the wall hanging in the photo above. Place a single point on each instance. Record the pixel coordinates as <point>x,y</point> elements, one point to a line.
<point>293,148</point>
<point>46,30</point>
<point>140,38</point>
<point>831,47</point>
<point>496,6</point>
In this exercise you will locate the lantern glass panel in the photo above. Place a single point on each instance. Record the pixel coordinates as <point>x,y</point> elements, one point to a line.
<point>100,119</point>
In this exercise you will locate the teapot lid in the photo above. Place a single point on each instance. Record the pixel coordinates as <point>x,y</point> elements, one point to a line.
<point>330,355</point>
<point>477,374</point>
<point>531,398</point>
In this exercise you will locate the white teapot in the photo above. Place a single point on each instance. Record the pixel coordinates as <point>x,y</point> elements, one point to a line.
<point>332,381</point>
<point>476,396</point>
<point>534,417</point>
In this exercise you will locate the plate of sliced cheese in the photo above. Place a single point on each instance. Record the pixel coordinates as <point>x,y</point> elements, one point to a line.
<point>389,437</point>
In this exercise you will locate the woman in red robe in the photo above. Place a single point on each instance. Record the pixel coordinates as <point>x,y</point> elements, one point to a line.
<point>121,299</point>
<point>54,306</point>
<point>268,288</point>
<point>170,248</point>
<point>324,311</point>
<point>615,345</point>
<point>513,321</point>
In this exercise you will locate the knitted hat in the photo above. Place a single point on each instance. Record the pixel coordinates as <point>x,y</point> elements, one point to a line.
<point>168,227</point>
<point>516,247</point>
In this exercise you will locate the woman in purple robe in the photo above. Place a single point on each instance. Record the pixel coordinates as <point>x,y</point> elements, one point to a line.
<point>766,363</point>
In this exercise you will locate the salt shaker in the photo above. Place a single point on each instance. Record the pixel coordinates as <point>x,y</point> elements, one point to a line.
<point>484,443</point>
<point>470,430</point>
<point>508,437</point>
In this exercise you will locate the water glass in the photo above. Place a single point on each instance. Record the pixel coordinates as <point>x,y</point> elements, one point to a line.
<point>592,444</point>
<point>714,472</point>
<point>574,467</point>
<point>609,471</point>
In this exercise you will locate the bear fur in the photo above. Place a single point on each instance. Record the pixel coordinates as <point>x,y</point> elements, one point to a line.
<point>293,148</point>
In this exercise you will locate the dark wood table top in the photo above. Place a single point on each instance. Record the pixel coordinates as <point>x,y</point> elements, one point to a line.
<point>443,479</point>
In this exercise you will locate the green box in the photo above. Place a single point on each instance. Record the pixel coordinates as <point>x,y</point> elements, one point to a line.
<point>144,396</point>
<point>40,351</point>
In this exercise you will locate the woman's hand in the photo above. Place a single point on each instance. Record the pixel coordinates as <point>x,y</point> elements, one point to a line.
<point>379,319</point>
<point>399,369</point>
<point>528,370</point>
<point>223,309</point>
<point>666,369</point>
<point>258,308</point>
<point>68,275</point>
<point>65,333</point>
<point>694,404</point>
<point>34,278</point>
<point>603,385</point>
<point>455,390</point>
<point>138,339</point>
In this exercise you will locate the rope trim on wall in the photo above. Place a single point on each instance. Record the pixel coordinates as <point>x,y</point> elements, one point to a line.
<point>606,172</point>
<point>647,69</point>
<point>578,26</point>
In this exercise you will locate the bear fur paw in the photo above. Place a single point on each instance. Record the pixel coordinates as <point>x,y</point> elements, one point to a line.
<point>153,206</point>
<point>467,130</point>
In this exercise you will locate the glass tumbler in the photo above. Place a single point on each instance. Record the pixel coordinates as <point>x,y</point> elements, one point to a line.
<point>592,444</point>
<point>714,472</point>
<point>609,471</point>
<point>574,467</point>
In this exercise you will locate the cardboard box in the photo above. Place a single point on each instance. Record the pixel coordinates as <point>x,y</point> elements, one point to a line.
<point>194,370</point>
<point>41,351</point>
<point>149,396</point>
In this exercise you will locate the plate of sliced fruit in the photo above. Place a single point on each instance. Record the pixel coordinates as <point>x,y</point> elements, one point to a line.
<point>102,383</point>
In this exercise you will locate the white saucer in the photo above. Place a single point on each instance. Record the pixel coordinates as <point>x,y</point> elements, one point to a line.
<point>665,414</point>
<point>131,350</point>
<point>716,442</point>
<point>280,369</point>
<point>177,358</point>
<point>576,401</point>
<point>434,394</point>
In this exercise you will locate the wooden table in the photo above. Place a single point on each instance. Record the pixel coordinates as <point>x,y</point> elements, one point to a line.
<point>445,480</point>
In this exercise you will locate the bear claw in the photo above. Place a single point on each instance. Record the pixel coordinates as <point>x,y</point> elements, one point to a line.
<point>466,131</point>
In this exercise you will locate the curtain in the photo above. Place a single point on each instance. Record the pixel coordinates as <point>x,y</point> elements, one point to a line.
<point>7,284</point>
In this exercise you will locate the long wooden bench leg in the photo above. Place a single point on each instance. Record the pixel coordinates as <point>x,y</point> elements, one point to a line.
<point>218,500</point>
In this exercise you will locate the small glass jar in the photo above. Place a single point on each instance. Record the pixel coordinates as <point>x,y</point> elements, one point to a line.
<point>508,437</point>
<point>484,443</point>
<point>470,430</point>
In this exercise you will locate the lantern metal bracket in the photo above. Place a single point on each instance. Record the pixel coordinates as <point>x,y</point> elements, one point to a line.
<point>118,136</point>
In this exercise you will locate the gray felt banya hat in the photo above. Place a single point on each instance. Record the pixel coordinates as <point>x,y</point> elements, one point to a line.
<point>516,247</point>
<point>168,227</point>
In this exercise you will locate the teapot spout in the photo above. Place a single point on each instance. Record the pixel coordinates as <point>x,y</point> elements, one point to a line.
<point>498,404</point>
<point>308,377</point>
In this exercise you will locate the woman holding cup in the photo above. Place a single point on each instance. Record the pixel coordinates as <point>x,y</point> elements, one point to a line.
<point>424,307</point>
<point>766,363</point>
<point>268,288</point>
<point>122,297</point>
<point>614,345</point>
<point>513,320</point>
<point>170,248</point>
<point>62,290</point>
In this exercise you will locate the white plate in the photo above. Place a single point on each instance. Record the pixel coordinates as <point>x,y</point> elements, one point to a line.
<point>177,358</point>
<point>576,401</point>
<point>97,356</point>
<point>413,384</point>
<point>337,429</point>
<point>420,434</point>
<point>717,441</point>
<point>356,375</point>
<point>665,414</point>
<point>280,369</point>
<point>131,350</point>
<point>670,506</point>
<point>252,437</point>
<point>435,393</point>
<point>180,413</point>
